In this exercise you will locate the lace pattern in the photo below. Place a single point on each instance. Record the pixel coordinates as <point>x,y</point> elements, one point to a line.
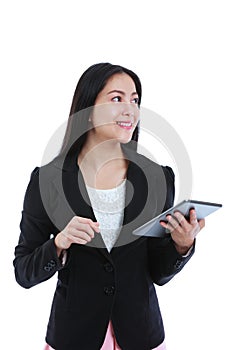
<point>108,206</point>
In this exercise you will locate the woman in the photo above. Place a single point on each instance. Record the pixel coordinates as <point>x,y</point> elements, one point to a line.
<point>78,216</point>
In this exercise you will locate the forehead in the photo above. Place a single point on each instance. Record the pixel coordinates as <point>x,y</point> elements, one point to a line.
<point>120,81</point>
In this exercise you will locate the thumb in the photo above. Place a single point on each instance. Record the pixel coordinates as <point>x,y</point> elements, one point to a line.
<point>201,223</point>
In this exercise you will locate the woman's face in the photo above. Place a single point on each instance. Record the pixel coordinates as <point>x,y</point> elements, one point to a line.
<point>116,111</point>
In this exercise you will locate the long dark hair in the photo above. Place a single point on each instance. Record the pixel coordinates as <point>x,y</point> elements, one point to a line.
<point>92,81</point>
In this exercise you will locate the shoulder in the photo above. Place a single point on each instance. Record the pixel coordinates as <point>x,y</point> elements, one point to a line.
<point>41,177</point>
<point>48,171</point>
<point>41,191</point>
<point>146,163</point>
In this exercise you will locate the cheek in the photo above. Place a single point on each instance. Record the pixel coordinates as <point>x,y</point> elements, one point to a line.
<point>137,113</point>
<point>105,114</point>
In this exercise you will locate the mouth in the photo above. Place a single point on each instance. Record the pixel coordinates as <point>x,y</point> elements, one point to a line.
<point>125,125</point>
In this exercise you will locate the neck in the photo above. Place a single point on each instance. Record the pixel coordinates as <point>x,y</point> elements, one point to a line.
<point>96,154</point>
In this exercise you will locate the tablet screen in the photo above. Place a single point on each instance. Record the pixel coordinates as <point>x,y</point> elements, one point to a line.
<point>154,229</point>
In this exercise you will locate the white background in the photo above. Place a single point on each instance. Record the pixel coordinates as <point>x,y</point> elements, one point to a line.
<point>182,51</point>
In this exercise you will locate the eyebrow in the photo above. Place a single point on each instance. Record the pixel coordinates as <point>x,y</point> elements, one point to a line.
<point>120,92</point>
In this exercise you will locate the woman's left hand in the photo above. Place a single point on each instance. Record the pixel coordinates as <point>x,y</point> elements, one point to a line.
<point>183,232</point>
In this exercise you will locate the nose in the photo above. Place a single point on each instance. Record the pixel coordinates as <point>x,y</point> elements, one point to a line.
<point>128,110</point>
<point>128,114</point>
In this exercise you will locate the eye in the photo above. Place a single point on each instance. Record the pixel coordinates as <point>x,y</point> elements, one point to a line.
<point>135,100</point>
<point>116,99</point>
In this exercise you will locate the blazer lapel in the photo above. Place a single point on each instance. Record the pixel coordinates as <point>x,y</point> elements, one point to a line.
<point>75,199</point>
<point>135,201</point>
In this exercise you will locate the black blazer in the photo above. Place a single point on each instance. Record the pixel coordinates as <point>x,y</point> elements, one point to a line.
<point>96,286</point>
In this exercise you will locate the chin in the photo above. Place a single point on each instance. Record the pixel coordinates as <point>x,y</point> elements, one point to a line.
<point>124,141</point>
<point>125,138</point>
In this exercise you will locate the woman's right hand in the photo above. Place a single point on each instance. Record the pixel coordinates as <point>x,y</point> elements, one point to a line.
<point>79,230</point>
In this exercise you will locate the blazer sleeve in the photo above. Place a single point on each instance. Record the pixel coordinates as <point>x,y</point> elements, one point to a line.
<point>164,260</point>
<point>36,258</point>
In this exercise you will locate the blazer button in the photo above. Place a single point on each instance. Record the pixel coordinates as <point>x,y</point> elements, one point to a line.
<point>109,290</point>
<point>108,267</point>
<point>178,264</point>
<point>50,266</point>
<point>52,263</point>
<point>47,268</point>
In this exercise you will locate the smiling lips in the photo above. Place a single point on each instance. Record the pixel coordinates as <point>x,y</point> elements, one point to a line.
<point>125,125</point>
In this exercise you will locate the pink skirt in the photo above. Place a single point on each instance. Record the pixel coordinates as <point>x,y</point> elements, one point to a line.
<point>110,342</point>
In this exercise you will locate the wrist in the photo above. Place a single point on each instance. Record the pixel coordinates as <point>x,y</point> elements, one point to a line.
<point>58,245</point>
<point>183,250</point>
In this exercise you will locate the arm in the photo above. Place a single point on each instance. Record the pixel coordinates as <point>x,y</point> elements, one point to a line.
<point>36,257</point>
<point>165,256</point>
<point>164,260</point>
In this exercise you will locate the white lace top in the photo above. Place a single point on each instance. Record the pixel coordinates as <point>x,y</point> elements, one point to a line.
<point>108,206</point>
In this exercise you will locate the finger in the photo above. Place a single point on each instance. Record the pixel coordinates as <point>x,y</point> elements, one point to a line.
<point>173,222</point>
<point>201,223</point>
<point>74,233</point>
<point>182,221</point>
<point>165,225</point>
<point>94,225</point>
<point>84,227</point>
<point>85,230</point>
<point>193,217</point>
<point>169,227</point>
<point>84,235</point>
<point>73,236</point>
<point>85,220</point>
<point>79,240</point>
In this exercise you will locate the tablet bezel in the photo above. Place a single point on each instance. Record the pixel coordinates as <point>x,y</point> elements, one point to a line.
<point>153,227</point>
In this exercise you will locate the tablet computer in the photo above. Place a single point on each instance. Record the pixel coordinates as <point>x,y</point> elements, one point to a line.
<point>154,229</point>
